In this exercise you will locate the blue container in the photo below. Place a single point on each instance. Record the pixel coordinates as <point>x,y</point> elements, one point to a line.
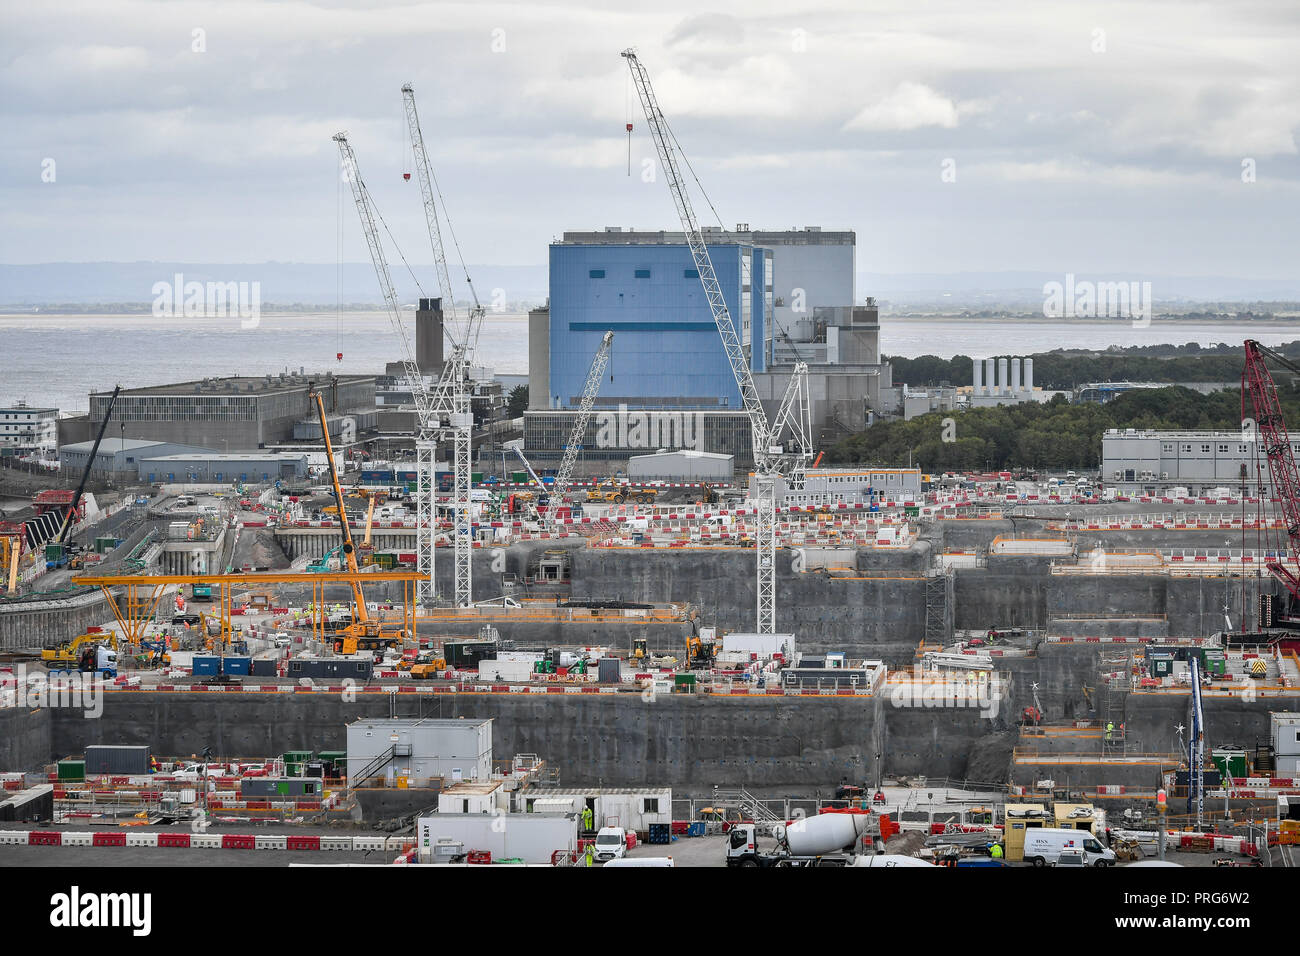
<point>696,829</point>
<point>238,665</point>
<point>205,666</point>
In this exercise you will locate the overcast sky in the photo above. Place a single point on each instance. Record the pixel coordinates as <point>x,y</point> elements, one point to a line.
<point>1084,137</point>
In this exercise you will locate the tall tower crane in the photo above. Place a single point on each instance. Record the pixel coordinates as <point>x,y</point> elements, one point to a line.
<point>428,417</point>
<point>772,459</point>
<point>452,393</point>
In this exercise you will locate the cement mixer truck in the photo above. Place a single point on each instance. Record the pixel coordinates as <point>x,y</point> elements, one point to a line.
<point>829,839</point>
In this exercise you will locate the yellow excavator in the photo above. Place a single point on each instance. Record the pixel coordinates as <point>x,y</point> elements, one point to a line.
<point>68,656</point>
<point>699,652</point>
<point>363,633</point>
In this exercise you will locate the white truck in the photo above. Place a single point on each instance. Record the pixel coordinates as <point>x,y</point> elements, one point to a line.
<point>829,839</point>
<point>611,844</point>
<point>1044,846</point>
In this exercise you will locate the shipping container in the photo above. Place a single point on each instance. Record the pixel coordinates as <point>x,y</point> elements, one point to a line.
<point>117,758</point>
<point>72,770</point>
<point>255,787</point>
<point>609,670</point>
<point>205,665</point>
<point>237,665</point>
<point>322,667</point>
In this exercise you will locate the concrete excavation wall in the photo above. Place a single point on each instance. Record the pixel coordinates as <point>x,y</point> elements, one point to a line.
<point>25,737</point>
<point>31,624</point>
<point>681,741</point>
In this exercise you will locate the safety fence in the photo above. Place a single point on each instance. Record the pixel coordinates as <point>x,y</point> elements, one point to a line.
<point>1166,522</point>
<point>203,841</point>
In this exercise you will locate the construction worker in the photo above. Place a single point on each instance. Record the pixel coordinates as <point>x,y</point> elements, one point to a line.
<point>589,855</point>
<point>996,851</point>
<point>587,819</point>
<point>1110,727</point>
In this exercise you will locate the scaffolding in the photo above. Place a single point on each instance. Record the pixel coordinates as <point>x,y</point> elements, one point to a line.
<point>938,607</point>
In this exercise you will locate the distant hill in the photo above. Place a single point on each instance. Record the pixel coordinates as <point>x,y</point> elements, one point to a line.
<point>983,290</point>
<point>281,282</point>
<point>314,284</point>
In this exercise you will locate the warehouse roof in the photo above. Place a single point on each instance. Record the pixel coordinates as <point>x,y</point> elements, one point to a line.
<point>687,453</point>
<point>110,445</point>
<point>243,384</point>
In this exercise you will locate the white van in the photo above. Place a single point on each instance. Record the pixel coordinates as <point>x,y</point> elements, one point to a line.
<point>611,844</point>
<point>1044,846</point>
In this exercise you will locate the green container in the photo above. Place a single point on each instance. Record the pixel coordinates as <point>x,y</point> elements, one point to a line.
<point>476,477</point>
<point>912,511</point>
<point>1231,763</point>
<point>519,477</point>
<point>53,552</point>
<point>386,560</point>
<point>298,756</point>
<point>1214,661</point>
<point>105,545</point>
<point>332,756</point>
<point>684,680</point>
<point>72,770</point>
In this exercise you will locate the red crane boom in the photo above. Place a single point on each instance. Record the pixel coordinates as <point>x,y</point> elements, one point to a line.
<point>1271,434</point>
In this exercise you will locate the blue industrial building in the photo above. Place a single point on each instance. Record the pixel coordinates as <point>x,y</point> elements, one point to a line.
<point>667,353</point>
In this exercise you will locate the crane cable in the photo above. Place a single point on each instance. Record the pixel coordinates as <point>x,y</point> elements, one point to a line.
<point>338,271</point>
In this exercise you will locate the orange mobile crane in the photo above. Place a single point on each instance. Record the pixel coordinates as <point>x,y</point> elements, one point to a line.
<point>363,633</point>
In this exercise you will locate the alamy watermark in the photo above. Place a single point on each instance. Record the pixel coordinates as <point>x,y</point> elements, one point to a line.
<point>40,690</point>
<point>931,690</point>
<point>626,429</point>
<point>1084,299</point>
<point>208,300</point>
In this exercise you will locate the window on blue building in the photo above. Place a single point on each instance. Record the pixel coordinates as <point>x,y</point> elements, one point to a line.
<point>643,273</point>
<point>596,274</point>
<point>691,274</point>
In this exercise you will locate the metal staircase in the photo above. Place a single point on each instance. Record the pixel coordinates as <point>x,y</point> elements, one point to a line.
<point>744,801</point>
<point>371,769</point>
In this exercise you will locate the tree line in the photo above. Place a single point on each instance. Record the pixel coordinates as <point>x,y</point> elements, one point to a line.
<point>1066,369</point>
<point>1053,435</point>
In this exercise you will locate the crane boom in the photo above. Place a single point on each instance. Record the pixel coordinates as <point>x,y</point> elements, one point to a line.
<point>349,551</point>
<point>70,515</point>
<point>425,414</point>
<point>425,176</point>
<point>366,211</point>
<point>664,144</point>
<point>599,362</point>
<point>1276,443</point>
<point>1196,747</point>
<point>770,458</point>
